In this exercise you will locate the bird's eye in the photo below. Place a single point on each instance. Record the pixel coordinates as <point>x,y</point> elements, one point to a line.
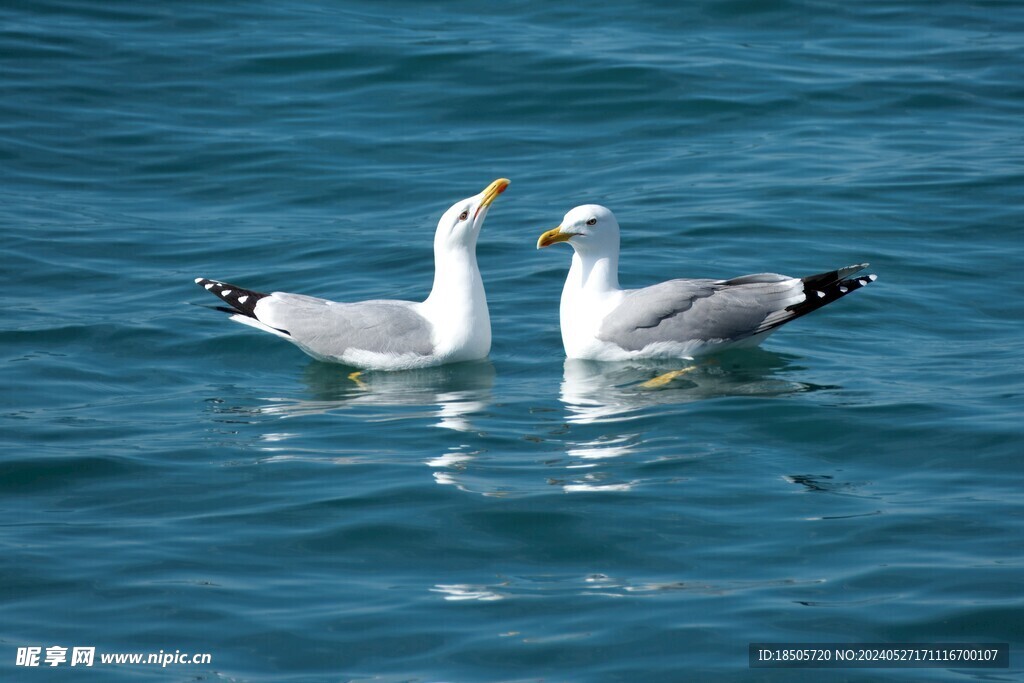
<point>592,221</point>
<point>464,215</point>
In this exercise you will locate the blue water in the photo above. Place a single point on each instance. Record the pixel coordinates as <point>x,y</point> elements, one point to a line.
<point>172,481</point>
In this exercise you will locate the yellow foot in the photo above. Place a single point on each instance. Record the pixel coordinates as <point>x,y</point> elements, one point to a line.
<point>355,378</point>
<point>662,380</point>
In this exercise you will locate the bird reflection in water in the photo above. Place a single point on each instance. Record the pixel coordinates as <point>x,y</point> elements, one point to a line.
<point>624,393</point>
<point>447,397</point>
<point>595,391</point>
<point>451,393</point>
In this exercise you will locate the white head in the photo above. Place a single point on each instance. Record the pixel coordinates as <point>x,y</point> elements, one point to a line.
<point>590,229</point>
<point>460,225</point>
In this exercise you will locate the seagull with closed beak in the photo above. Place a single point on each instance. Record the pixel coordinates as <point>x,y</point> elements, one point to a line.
<point>677,318</point>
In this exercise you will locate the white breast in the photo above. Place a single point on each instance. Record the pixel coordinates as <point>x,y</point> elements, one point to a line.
<point>581,313</point>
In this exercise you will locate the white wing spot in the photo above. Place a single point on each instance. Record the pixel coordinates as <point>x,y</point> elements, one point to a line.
<point>862,282</point>
<point>872,277</point>
<point>208,285</point>
<point>243,299</point>
<point>844,290</point>
<point>820,294</point>
<point>198,280</point>
<point>225,292</point>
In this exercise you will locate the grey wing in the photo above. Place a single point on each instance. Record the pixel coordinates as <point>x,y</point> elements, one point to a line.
<point>699,310</point>
<point>329,328</point>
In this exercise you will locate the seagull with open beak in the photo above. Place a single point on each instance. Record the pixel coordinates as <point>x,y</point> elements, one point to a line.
<point>451,325</point>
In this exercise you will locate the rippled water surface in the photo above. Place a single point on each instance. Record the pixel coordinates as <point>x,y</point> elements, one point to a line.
<point>172,481</point>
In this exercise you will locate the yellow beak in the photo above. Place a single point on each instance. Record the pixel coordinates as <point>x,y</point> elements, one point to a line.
<point>552,236</point>
<point>491,193</point>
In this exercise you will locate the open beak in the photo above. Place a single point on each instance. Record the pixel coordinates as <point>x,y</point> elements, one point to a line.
<point>553,236</point>
<point>491,193</point>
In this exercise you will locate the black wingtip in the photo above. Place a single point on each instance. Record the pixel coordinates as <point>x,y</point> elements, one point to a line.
<point>821,290</point>
<point>240,300</point>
